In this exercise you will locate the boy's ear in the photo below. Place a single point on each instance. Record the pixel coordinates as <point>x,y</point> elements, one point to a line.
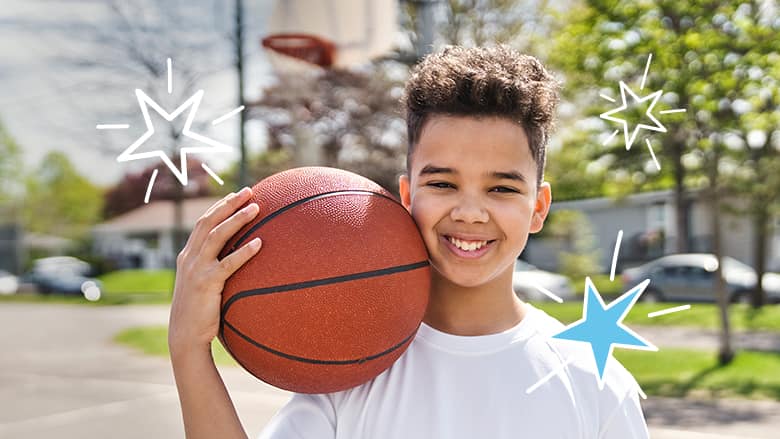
<point>404,192</point>
<point>542,208</point>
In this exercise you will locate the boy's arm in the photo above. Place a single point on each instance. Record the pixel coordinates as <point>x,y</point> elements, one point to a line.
<point>207,410</point>
<point>206,407</point>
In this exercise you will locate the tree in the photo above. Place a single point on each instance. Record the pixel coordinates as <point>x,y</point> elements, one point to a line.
<point>701,49</point>
<point>338,118</point>
<point>59,200</point>
<point>11,175</point>
<point>134,48</point>
<point>126,195</point>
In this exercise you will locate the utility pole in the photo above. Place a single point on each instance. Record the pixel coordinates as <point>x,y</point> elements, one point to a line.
<point>425,26</point>
<point>239,46</point>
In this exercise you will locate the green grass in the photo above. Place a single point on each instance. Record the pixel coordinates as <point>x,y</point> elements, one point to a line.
<point>153,340</point>
<point>137,286</point>
<point>707,316</point>
<point>685,372</point>
<point>668,372</point>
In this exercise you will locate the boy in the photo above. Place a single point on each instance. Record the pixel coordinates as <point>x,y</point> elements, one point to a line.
<point>478,122</point>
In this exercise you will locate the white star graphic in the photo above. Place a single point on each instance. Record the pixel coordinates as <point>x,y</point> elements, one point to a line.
<point>192,103</point>
<point>658,125</point>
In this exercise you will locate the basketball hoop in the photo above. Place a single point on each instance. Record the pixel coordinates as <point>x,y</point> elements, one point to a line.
<point>303,47</point>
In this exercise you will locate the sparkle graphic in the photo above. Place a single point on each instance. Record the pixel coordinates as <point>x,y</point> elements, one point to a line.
<point>630,99</point>
<point>653,97</point>
<point>602,326</point>
<point>191,105</point>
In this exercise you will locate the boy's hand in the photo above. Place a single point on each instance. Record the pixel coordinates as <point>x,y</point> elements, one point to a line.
<point>200,277</point>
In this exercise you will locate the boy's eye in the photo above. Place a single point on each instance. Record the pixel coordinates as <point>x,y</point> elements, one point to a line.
<point>505,189</point>
<point>440,185</point>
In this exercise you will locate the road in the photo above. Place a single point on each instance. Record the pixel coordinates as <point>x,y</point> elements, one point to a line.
<point>62,376</point>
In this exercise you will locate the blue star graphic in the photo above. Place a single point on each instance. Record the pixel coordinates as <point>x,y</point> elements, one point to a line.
<point>602,326</point>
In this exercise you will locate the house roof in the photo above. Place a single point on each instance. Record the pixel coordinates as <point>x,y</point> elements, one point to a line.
<point>157,216</point>
<point>640,199</point>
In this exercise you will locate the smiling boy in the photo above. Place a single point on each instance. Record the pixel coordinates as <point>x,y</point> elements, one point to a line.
<point>483,364</point>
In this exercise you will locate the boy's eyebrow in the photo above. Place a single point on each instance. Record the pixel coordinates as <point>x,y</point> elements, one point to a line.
<point>501,175</point>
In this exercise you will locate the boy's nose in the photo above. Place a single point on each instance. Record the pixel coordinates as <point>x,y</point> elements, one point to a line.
<point>469,211</point>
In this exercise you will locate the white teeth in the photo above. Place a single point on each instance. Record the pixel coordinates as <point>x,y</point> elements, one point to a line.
<point>469,246</point>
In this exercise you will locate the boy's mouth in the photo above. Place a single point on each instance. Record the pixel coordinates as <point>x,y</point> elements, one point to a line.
<point>468,248</point>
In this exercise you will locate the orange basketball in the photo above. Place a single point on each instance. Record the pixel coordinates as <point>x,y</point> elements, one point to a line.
<point>338,290</point>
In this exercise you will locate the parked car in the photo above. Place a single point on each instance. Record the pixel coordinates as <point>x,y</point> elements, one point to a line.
<point>527,279</point>
<point>61,275</point>
<point>9,284</point>
<point>689,277</point>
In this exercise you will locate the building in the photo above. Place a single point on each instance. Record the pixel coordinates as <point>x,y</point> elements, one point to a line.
<point>648,224</point>
<point>143,237</point>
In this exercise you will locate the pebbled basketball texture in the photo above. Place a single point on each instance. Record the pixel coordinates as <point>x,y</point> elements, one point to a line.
<point>338,290</point>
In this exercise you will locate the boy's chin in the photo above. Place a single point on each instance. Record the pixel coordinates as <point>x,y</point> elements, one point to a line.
<point>461,279</point>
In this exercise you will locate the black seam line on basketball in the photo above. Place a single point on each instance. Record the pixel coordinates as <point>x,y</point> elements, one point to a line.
<point>320,282</point>
<point>279,211</point>
<point>314,360</point>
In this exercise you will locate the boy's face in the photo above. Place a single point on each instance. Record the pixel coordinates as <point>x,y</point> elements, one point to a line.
<point>473,194</point>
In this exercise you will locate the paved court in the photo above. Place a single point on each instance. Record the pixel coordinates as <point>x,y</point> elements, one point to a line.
<point>62,377</point>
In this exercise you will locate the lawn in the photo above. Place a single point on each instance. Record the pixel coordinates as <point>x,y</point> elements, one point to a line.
<point>668,372</point>
<point>705,315</point>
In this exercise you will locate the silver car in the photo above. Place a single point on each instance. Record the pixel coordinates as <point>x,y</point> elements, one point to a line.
<point>689,277</point>
<point>527,281</point>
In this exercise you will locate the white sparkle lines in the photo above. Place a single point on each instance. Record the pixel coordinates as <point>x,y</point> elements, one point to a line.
<point>652,154</point>
<point>549,293</point>
<point>227,116</point>
<point>549,376</point>
<point>615,255</point>
<point>669,311</point>
<point>640,392</point>
<point>212,174</point>
<point>149,187</point>
<point>611,136</point>
<point>607,97</point>
<point>629,105</point>
<point>647,67</point>
<point>191,106</point>
<point>114,126</point>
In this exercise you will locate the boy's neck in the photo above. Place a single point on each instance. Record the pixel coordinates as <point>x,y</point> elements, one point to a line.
<point>487,309</point>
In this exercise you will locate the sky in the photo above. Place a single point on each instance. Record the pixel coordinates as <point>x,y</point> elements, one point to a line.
<point>67,66</point>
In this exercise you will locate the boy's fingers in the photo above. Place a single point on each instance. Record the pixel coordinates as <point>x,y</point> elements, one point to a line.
<point>219,235</point>
<point>235,260</point>
<point>215,215</point>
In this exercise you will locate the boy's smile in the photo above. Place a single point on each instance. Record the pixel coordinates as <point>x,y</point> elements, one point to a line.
<point>472,191</point>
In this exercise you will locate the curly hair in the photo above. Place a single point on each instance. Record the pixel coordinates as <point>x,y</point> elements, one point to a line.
<point>483,82</point>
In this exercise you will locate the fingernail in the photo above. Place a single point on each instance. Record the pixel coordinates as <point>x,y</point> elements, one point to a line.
<point>245,191</point>
<point>255,244</point>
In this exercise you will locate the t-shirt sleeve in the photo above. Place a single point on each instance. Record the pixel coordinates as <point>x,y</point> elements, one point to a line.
<point>626,421</point>
<point>303,417</point>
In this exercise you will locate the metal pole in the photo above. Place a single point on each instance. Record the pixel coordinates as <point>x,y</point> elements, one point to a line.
<point>239,45</point>
<point>425,27</point>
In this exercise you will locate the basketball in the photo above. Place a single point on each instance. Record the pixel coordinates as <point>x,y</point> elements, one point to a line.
<point>338,290</point>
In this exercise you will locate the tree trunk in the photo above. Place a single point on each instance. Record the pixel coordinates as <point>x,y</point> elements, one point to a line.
<point>680,201</point>
<point>726,354</point>
<point>760,237</point>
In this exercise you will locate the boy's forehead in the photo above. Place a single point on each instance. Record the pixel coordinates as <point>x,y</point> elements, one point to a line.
<point>472,143</point>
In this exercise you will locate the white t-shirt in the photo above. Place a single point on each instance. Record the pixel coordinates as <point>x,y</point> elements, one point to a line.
<point>453,387</point>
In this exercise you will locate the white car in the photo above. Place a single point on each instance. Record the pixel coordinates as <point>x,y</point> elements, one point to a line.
<point>8,283</point>
<point>528,281</point>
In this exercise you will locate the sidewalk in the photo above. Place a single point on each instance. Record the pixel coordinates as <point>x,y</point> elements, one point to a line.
<point>705,339</point>
<point>66,378</point>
